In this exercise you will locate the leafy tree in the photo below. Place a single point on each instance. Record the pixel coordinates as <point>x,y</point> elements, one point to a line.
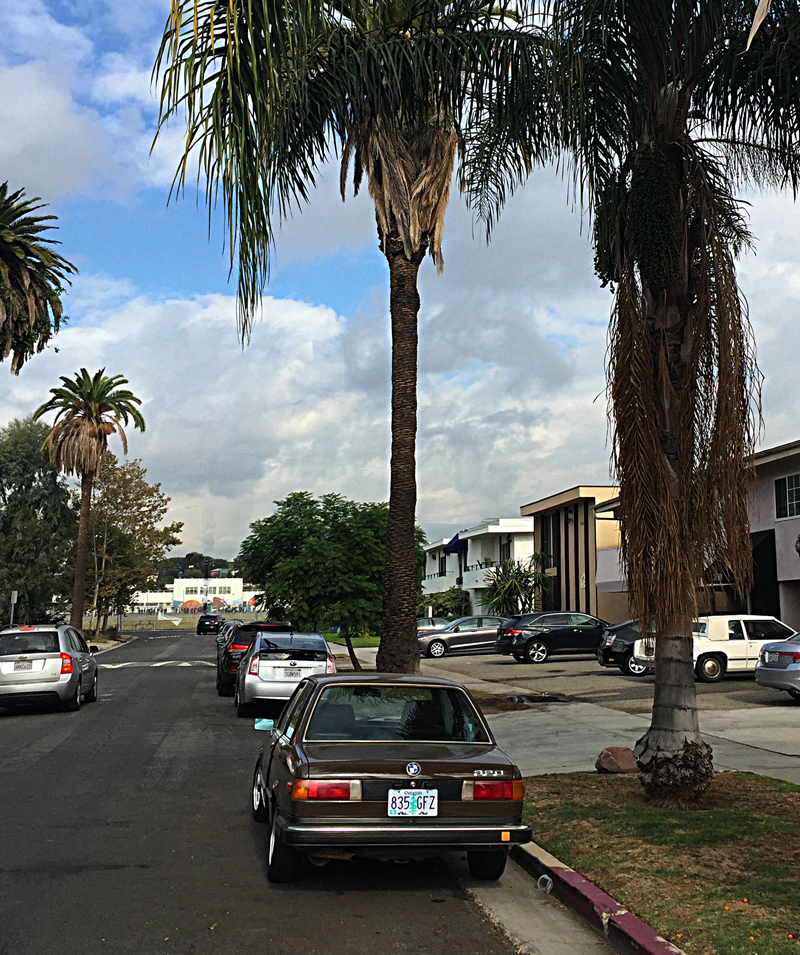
<point>513,586</point>
<point>272,91</point>
<point>663,117</point>
<point>88,409</point>
<point>37,525</point>
<point>321,561</point>
<point>453,602</point>
<point>128,541</point>
<point>32,279</point>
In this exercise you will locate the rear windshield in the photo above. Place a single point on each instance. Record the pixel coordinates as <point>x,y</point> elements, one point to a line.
<point>290,642</point>
<point>394,713</point>
<point>37,641</point>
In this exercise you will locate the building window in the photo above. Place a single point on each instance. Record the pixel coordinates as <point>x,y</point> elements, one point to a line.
<point>787,496</point>
<point>550,539</point>
<point>224,590</point>
<point>442,565</point>
<point>212,590</point>
<point>505,549</point>
<point>190,590</point>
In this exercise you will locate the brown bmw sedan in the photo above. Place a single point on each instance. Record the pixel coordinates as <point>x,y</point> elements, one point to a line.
<point>387,766</point>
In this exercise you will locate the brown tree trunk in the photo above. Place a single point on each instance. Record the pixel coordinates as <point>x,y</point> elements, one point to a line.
<point>82,552</point>
<point>345,631</point>
<point>399,647</point>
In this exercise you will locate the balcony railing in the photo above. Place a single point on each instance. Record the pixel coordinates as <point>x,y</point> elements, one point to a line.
<point>440,573</point>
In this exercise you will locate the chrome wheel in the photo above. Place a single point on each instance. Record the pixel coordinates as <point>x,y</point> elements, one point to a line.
<point>437,649</point>
<point>710,669</point>
<point>536,651</point>
<point>633,668</point>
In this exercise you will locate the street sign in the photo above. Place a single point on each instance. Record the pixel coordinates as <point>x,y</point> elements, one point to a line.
<point>14,596</point>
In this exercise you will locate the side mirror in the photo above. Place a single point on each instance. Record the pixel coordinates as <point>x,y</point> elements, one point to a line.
<point>262,724</point>
<point>220,639</point>
<point>456,630</point>
<point>94,648</point>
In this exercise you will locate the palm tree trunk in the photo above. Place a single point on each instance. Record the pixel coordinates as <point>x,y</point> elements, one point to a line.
<point>82,551</point>
<point>399,648</point>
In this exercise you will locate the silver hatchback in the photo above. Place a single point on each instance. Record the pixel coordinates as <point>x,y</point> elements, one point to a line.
<point>46,663</point>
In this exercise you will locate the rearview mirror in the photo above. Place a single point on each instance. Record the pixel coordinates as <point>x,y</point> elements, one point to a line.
<point>262,724</point>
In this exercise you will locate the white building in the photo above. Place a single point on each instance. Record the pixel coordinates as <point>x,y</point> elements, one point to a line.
<point>464,560</point>
<point>213,592</point>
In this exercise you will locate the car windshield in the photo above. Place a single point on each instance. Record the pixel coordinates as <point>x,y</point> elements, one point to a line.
<point>395,713</point>
<point>36,641</point>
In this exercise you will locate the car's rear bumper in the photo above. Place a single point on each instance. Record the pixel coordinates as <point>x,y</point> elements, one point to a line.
<point>447,836</point>
<point>272,690</point>
<point>608,657</point>
<point>46,690</point>
<point>788,679</point>
<point>507,648</point>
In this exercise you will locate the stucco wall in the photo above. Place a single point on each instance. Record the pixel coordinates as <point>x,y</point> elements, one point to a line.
<point>761,508</point>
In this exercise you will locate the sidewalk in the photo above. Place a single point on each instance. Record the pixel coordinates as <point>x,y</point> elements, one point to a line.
<point>567,737</point>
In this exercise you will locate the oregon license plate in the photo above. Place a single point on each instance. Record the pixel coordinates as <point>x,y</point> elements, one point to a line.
<point>413,802</point>
<point>292,674</point>
<point>23,665</point>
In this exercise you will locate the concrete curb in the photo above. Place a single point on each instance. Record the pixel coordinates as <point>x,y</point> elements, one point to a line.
<point>627,934</point>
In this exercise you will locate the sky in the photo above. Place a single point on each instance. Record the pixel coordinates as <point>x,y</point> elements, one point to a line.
<point>513,335</point>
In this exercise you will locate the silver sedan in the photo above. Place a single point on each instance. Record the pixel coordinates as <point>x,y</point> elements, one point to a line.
<point>778,666</point>
<point>46,663</point>
<point>276,663</point>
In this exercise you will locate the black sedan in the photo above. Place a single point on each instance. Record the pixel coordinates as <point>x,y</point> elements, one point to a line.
<point>616,649</point>
<point>553,633</point>
<point>389,766</point>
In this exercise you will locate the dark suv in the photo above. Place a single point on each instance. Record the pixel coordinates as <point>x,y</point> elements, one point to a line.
<point>557,633</point>
<point>210,623</point>
<point>616,648</point>
<point>235,642</point>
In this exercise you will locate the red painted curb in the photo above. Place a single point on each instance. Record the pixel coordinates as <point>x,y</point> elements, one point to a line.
<point>625,932</point>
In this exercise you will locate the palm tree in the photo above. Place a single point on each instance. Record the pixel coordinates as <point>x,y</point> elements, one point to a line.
<point>513,585</point>
<point>32,279</point>
<point>272,91</point>
<point>663,116</point>
<point>88,409</point>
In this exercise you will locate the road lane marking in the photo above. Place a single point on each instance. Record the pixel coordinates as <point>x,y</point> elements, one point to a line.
<point>157,663</point>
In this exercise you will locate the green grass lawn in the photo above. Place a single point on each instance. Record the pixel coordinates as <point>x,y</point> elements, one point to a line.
<point>357,641</point>
<point>721,880</point>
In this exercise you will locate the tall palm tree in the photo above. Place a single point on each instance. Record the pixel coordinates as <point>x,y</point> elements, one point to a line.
<point>32,279</point>
<point>271,91</point>
<point>663,116</point>
<point>88,409</point>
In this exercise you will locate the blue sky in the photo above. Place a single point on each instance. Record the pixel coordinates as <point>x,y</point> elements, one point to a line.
<point>512,336</point>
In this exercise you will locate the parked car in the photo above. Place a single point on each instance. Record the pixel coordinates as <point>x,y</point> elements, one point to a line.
<point>388,766</point>
<point>431,623</point>
<point>46,663</point>
<point>727,643</point>
<point>276,663</point>
<point>616,649</point>
<point>779,666</point>
<point>233,642</point>
<point>464,635</point>
<point>210,623</point>
<point>552,633</point>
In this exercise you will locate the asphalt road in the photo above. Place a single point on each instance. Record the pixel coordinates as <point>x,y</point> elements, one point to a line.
<point>125,828</point>
<point>581,678</point>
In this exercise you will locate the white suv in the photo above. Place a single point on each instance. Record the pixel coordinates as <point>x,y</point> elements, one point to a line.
<point>722,644</point>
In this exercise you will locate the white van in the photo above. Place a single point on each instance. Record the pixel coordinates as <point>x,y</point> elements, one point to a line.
<point>722,643</point>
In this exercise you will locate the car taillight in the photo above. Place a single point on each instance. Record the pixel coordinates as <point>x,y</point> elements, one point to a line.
<point>610,638</point>
<point>794,657</point>
<point>253,666</point>
<point>66,663</point>
<point>332,789</point>
<point>238,646</point>
<point>511,632</point>
<point>479,789</point>
<point>330,666</point>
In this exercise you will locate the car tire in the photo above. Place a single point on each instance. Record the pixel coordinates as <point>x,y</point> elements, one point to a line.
<point>437,649</point>
<point>284,863</point>
<point>631,668</point>
<point>536,651</point>
<point>710,669</point>
<point>91,696</point>
<point>795,695</point>
<point>258,804</point>
<point>242,709</point>
<point>73,704</point>
<point>487,865</point>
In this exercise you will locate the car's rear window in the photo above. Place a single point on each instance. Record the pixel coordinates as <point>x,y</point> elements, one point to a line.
<point>279,641</point>
<point>395,713</point>
<point>36,641</point>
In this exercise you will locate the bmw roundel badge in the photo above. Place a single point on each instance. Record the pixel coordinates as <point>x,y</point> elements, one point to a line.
<point>413,769</point>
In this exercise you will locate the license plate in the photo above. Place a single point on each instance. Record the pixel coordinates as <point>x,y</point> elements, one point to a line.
<point>772,658</point>
<point>23,665</point>
<point>413,802</point>
<point>292,674</point>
